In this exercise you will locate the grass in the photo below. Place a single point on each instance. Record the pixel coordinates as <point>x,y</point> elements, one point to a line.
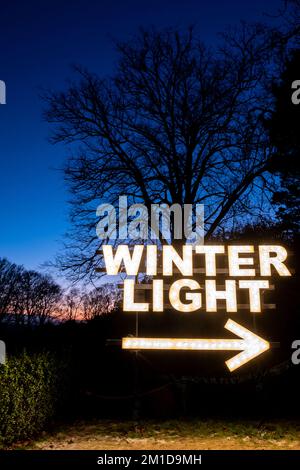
<point>176,434</point>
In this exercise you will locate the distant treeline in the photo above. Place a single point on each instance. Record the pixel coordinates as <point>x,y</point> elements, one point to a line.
<point>28,297</point>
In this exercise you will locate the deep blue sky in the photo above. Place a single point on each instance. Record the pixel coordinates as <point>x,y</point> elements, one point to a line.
<point>39,41</point>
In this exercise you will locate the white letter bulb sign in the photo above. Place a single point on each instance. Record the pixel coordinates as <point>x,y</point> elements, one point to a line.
<point>247,267</point>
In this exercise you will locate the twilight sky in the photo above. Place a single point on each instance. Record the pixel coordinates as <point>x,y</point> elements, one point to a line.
<point>39,41</point>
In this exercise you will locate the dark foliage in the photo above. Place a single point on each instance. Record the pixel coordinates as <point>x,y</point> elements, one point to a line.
<point>31,387</point>
<point>283,127</point>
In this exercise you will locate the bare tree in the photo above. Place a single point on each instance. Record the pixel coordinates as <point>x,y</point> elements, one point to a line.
<point>10,281</point>
<point>100,301</point>
<point>177,123</point>
<point>71,308</point>
<point>27,296</point>
<point>39,297</point>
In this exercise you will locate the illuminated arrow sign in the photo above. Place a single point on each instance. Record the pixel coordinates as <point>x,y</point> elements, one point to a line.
<point>250,345</point>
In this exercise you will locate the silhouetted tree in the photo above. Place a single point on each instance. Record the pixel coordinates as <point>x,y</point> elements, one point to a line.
<point>283,126</point>
<point>27,296</point>
<point>178,122</point>
<point>71,305</point>
<point>38,298</point>
<point>100,301</point>
<point>10,282</point>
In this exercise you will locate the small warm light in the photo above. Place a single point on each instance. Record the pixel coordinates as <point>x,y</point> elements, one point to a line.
<point>210,253</point>
<point>212,295</point>
<point>129,305</point>
<point>194,297</point>
<point>266,259</point>
<point>235,261</point>
<point>254,292</point>
<point>184,264</point>
<point>131,262</point>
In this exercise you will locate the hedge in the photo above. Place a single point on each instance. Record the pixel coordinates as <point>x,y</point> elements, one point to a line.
<point>29,395</point>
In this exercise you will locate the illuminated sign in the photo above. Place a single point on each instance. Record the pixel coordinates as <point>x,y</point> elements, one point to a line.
<point>246,266</point>
<point>250,346</point>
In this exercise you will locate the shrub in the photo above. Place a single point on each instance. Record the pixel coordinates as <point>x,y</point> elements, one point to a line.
<point>29,395</point>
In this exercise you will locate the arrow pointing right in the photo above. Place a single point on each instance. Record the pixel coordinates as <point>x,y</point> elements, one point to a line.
<point>250,345</point>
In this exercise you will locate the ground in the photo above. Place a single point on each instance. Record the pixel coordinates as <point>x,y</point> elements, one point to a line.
<point>178,435</point>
